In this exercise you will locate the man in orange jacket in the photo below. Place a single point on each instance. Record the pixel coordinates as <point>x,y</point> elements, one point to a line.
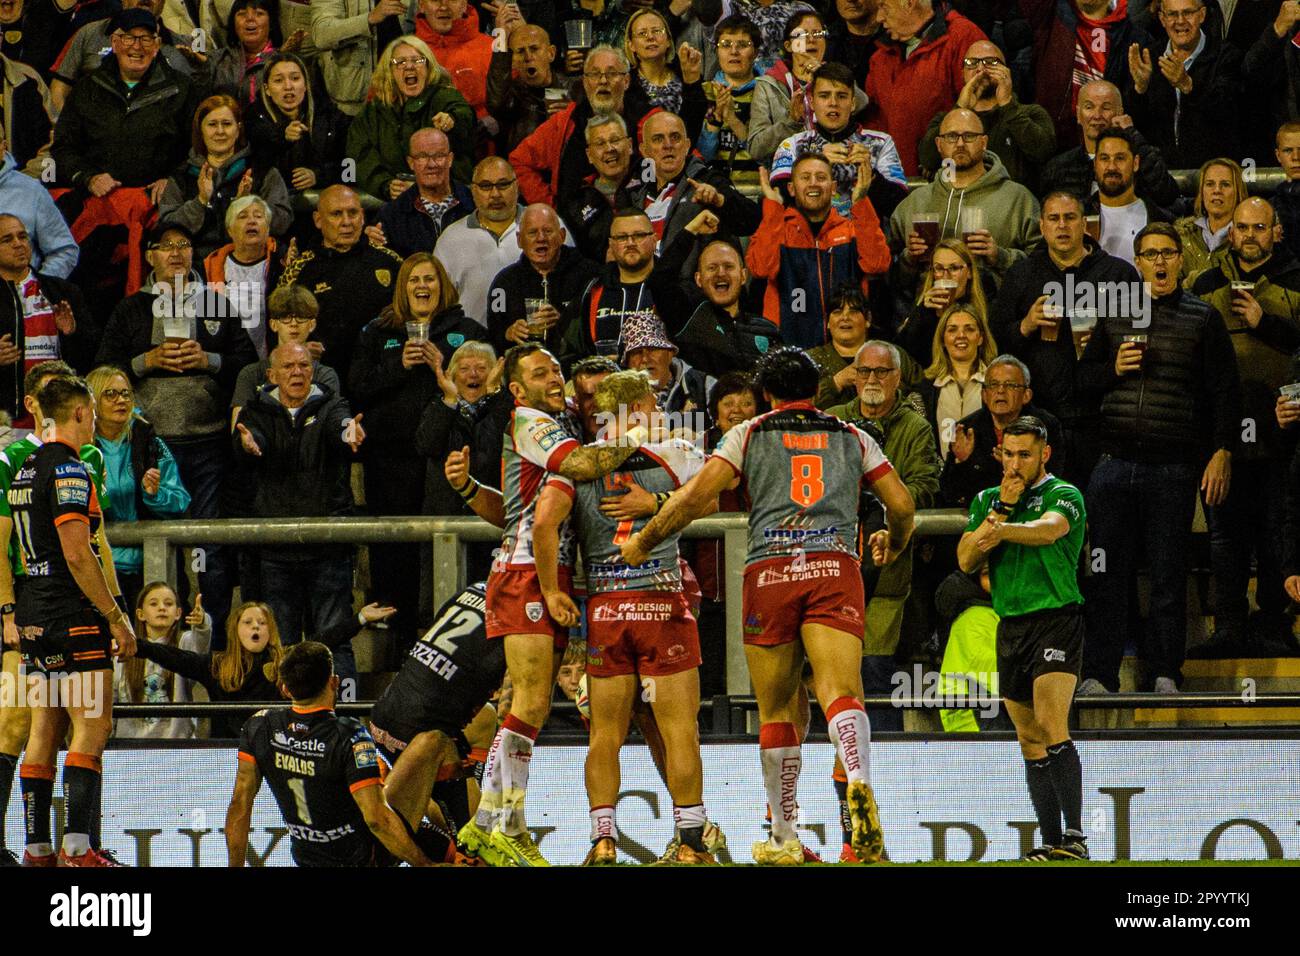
<point>808,250</point>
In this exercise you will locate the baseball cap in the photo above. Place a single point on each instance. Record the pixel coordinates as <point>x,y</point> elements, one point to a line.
<point>136,18</point>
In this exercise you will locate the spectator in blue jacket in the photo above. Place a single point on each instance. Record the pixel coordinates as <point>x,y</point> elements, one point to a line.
<point>54,251</point>
<point>414,219</point>
<point>140,474</point>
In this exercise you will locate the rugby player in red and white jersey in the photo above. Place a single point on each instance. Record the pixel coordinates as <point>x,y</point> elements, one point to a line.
<point>534,444</point>
<point>803,594</point>
<point>642,640</point>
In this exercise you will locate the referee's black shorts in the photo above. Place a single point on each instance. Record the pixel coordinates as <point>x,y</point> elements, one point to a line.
<point>1044,642</point>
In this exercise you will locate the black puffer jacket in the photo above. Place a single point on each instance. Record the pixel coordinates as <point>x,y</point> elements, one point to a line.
<point>1051,364</point>
<point>1184,404</point>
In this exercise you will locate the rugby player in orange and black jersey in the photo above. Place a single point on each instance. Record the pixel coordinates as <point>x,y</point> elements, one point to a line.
<point>325,773</point>
<point>446,680</point>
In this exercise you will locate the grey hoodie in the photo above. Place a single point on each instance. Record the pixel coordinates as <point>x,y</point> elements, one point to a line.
<point>1010,209</point>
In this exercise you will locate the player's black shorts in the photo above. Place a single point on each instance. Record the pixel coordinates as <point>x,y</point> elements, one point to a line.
<point>72,643</point>
<point>1030,645</point>
<point>391,743</point>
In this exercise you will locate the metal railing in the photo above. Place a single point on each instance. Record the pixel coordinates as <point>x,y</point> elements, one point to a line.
<point>448,536</point>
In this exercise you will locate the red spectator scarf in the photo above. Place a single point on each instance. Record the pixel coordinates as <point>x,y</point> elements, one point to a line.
<point>251,61</point>
<point>1092,45</point>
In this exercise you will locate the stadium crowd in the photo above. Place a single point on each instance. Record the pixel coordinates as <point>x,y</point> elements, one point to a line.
<point>285,238</point>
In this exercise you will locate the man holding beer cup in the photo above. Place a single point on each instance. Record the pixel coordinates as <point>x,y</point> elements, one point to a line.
<point>1166,378</point>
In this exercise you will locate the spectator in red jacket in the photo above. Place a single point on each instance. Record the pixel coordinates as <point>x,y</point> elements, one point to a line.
<point>919,73</point>
<point>1076,42</point>
<point>553,150</point>
<point>451,29</point>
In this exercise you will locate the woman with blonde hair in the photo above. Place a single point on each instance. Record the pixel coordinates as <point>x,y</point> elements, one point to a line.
<point>409,91</point>
<point>648,45</point>
<point>961,350</point>
<point>1220,187</point>
<point>398,370</point>
<point>141,480</point>
<point>953,277</point>
<point>247,668</point>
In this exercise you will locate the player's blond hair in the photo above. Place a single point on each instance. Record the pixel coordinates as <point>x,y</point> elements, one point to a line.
<point>621,389</point>
<point>232,666</point>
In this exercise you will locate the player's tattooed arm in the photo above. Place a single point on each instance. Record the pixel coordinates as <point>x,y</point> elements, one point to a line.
<point>239,815</point>
<point>387,827</point>
<point>596,461</point>
<point>696,498</point>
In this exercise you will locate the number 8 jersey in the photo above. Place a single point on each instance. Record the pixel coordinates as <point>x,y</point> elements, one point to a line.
<point>803,470</point>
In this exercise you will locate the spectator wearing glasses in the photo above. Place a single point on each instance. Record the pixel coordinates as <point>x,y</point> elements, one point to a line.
<point>1170,422</point>
<point>517,81</point>
<point>126,123</point>
<point>476,248</point>
<point>648,46</point>
<point>141,480</point>
<point>589,207</point>
<point>918,72</point>
<point>909,446</point>
<point>301,134</point>
<point>1186,96</point>
<point>409,92</point>
<point>344,34</point>
<point>974,458</point>
<point>1255,288</point>
<point>953,277</point>
<point>1021,134</point>
<point>451,30</point>
<point>974,199</point>
<point>416,218</point>
<point>291,316</point>
<point>848,324</point>
<point>553,158</point>
<point>1100,108</point>
<point>724,140</point>
<point>782,104</point>
<point>182,345</point>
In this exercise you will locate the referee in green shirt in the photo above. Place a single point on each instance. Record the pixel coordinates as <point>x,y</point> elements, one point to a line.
<point>1030,530</point>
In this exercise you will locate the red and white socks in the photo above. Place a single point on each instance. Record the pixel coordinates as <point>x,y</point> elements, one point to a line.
<point>851,733</point>
<point>782,759</point>
<point>602,824</point>
<point>516,752</point>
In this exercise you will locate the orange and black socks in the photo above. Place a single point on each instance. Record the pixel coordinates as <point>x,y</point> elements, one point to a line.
<point>38,795</point>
